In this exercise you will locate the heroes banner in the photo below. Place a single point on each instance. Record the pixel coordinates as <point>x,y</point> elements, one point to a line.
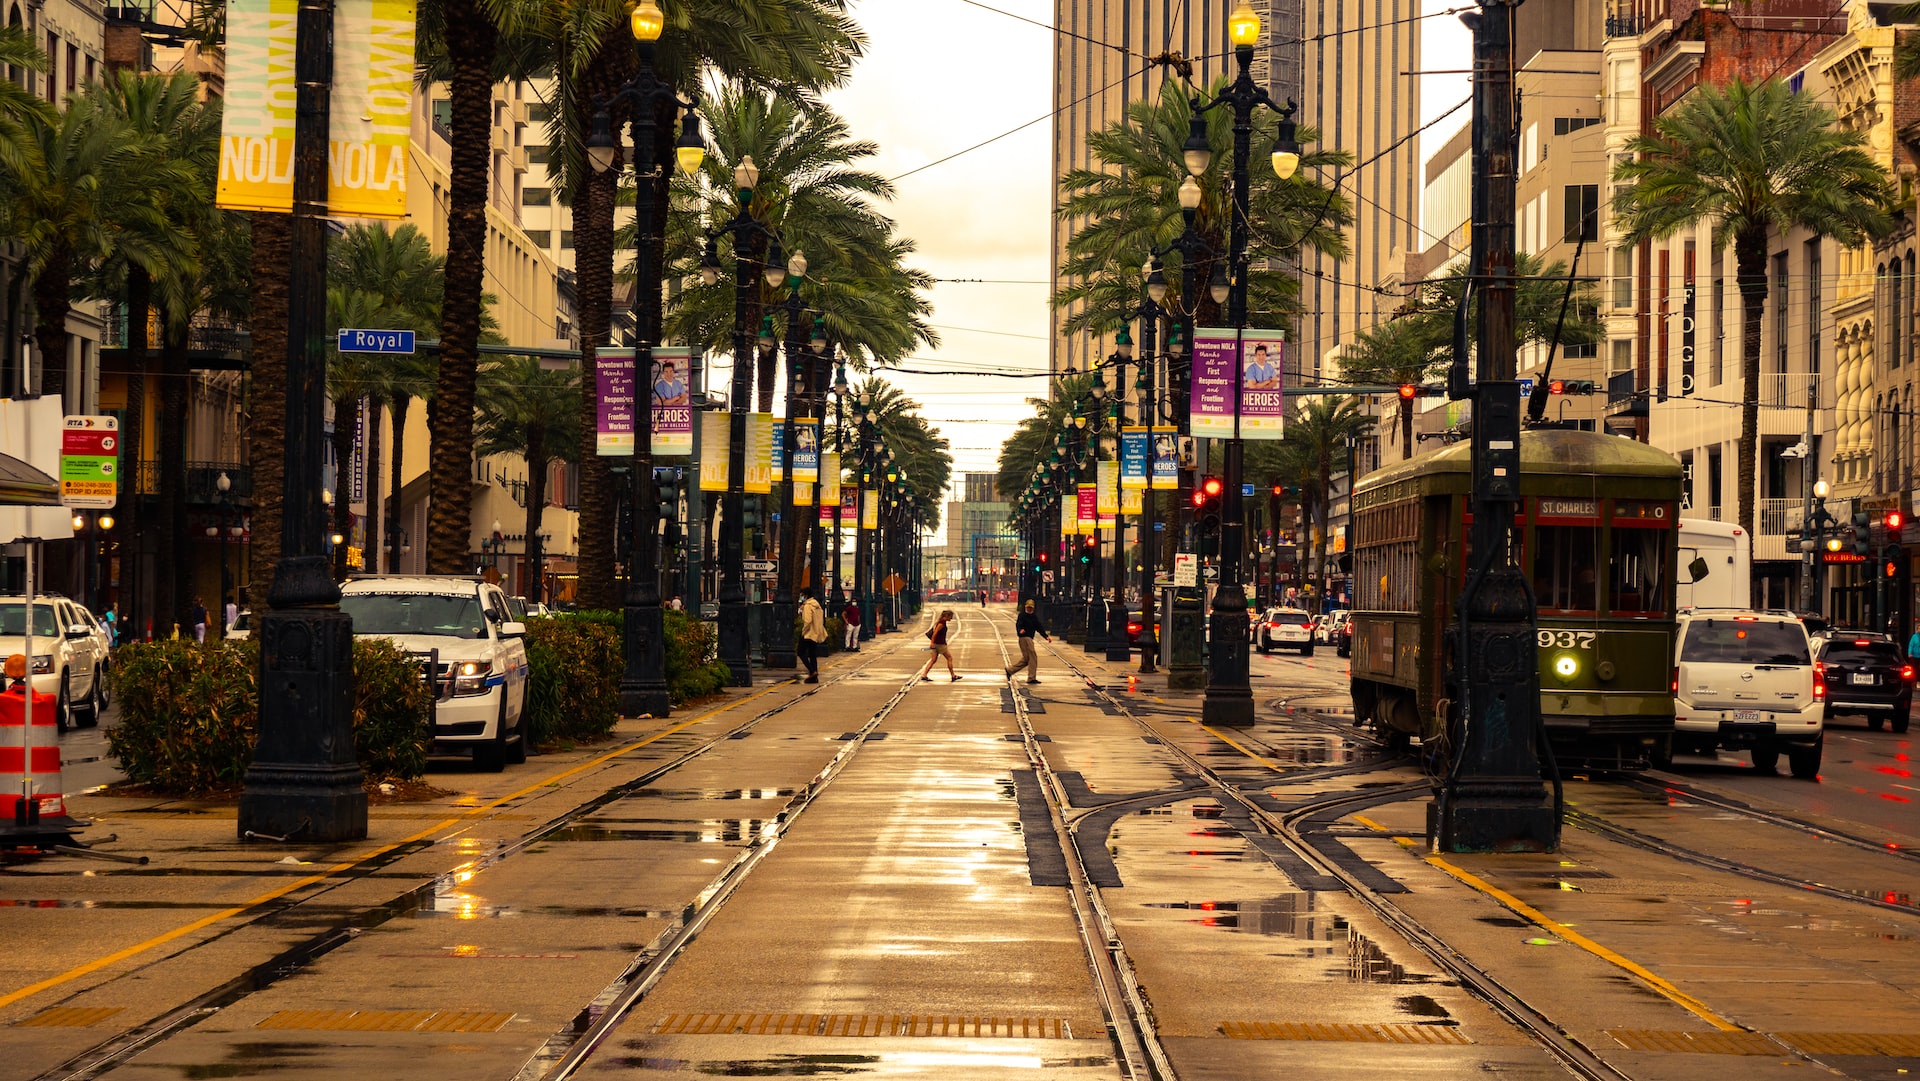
<point>1250,359</point>
<point>672,407</point>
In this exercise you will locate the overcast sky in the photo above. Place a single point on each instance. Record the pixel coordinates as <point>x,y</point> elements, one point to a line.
<point>941,76</point>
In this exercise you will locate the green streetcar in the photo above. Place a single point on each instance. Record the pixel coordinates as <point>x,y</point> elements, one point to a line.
<point>1598,531</point>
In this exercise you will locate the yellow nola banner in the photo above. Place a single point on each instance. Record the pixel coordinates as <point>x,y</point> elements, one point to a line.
<point>830,479</point>
<point>371,107</point>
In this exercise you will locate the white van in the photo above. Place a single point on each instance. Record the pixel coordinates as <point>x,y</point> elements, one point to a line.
<point>1728,553</point>
<point>1748,679</point>
<point>480,683</point>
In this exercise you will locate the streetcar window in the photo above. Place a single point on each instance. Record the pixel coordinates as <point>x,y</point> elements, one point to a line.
<point>1564,562</point>
<point>1638,580</point>
<point>1717,641</point>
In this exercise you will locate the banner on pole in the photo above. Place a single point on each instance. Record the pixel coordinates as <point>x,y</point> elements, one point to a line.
<point>1136,447</point>
<point>806,450</point>
<point>759,453</point>
<point>1069,517</point>
<point>830,479</point>
<point>713,452</point>
<point>1252,360</point>
<point>1166,456</point>
<point>1089,510</point>
<point>370,110</point>
<point>1106,480</point>
<point>869,508</point>
<point>614,403</point>
<point>672,408</point>
<point>1131,500</point>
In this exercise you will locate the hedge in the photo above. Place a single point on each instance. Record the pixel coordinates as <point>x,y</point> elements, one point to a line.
<point>188,712</point>
<point>574,691</point>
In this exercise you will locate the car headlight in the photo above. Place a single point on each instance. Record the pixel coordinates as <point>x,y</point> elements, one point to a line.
<point>42,663</point>
<point>470,677</point>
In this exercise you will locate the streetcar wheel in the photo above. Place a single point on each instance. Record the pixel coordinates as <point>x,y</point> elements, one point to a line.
<point>1660,755</point>
<point>1805,761</point>
<point>1766,759</point>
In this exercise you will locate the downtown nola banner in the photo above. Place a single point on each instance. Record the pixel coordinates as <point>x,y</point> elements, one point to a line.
<point>1252,359</point>
<point>370,108</point>
<point>615,424</point>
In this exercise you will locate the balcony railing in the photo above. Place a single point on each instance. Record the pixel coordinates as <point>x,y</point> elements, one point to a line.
<point>1624,397</point>
<point>1784,389</point>
<point>203,336</point>
<point>202,481</point>
<point>1772,519</point>
<point>1624,25</point>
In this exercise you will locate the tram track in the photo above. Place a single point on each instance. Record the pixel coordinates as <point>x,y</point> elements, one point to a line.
<point>1668,785</point>
<point>343,929</point>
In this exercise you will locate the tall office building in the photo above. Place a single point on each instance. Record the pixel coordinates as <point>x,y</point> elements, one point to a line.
<point>1346,65</point>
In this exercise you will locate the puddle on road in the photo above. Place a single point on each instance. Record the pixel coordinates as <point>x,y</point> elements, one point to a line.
<point>901,1064</point>
<point>250,1059</point>
<point>711,793</point>
<point>1298,916</point>
<point>712,831</point>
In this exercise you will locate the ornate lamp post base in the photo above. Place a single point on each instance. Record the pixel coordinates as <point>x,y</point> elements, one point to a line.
<point>643,633</point>
<point>777,635</point>
<point>1096,626</point>
<point>305,780</point>
<point>735,643</point>
<point>1118,648</point>
<point>1229,700</point>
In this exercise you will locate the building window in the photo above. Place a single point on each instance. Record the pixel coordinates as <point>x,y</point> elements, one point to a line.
<point>540,237</point>
<point>1567,125</point>
<point>566,239</point>
<point>1580,350</point>
<point>73,67</point>
<point>536,197</point>
<point>539,112</point>
<point>443,114</point>
<point>1719,323</point>
<point>1781,281</point>
<point>53,67</point>
<point>1623,278</point>
<point>538,155</point>
<point>1813,305</point>
<point>1622,356</point>
<point>1581,214</point>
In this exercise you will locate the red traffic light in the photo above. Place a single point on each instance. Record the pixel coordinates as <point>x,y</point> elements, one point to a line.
<point>1279,490</point>
<point>1043,557</point>
<point>1557,386</point>
<point>1199,498</point>
<point>1894,520</point>
<point>1893,569</point>
<point>1211,486</point>
<point>1408,390</point>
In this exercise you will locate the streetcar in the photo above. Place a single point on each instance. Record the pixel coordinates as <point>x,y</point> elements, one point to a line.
<point>1597,532</point>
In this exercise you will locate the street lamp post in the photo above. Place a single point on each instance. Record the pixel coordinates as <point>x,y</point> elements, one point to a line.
<point>223,485</point>
<point>1229,696</point>
<point>1119,649</point>
<point>840,391</point>
<point>643,677</point>
<point>1097,627</point>
<point>1186,623</point>
<point>1149,313</point>
<point>305,778</point>
<point>735,647</point>
<point>862,536</point>
<point>778,633</point>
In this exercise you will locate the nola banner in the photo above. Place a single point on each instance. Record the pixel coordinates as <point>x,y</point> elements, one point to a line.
<point>869,508</point>
<point>614,404</point>
<point>759,453</point>
<point>1131,500</point>
<point>1252,360</point>
<point>1166,456</point>
<point>1106,480</point>
<point>370,110</point>
<point>806,450</point>
<point>672,407</point>
<point>830,479</point>
<point>1136,446</point>
<point>713,452</point>
<point>1069,517</point>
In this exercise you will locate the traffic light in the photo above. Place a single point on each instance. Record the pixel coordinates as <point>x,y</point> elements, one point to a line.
<point>1890,560</point>
<point>1570,386</point>
<point>1206,511</point>
<point>1408,391</point>
<point>1862,531</point>
<point>1087,548</point>
<point>1894,522</point>
<point>1040,562</point>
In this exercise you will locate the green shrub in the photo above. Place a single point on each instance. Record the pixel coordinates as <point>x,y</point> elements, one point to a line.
<point>188,713</point>
<point>694,669</point>
<point>573,692</point>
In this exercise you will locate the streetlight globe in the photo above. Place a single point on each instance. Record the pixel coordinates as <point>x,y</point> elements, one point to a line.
<point>746,176</point>
<point>213,531</point>
<point>1189,194</point>
<point>1196,152</point>
<point>338,539</point>
<point>496,525</point>
<point>1243,25</point>
<point>647,20</point>
<point>106,521</point>
<point>602,147</point>
<point>224,483</point>
<point>710,263</point>
<point>326,496</point>
<point>1285,163</point>
<point>776,269</point>
<point>1218,287</point>
<point>840,380</point>
<point>797,265</point>
<point>1820,488</point>
<point>79,522</point>
<point>691,150</point>
<point>1157,284</point>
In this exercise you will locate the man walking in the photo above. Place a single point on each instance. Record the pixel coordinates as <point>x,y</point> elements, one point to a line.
<point>813,631</point>
<point>850,615</point>
<point>1024,629</point>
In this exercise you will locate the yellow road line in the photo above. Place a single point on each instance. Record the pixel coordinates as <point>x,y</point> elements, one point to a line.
<point>1235,744</point>
<point>1555,927</point>
<point>162,939</point>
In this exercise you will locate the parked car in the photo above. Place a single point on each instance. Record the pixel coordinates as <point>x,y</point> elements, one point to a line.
<point>1867,673</point>
<point>1286,628</point>
<point>480,676</point>
<point>65,660</point>
<point>1343,637</point>
<point>1749,680</point>
<point>1324,627</point>
<point>102,652</point>
<point>241,628</point>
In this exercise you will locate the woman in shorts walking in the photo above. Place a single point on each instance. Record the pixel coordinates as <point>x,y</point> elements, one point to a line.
<point>938,636</point>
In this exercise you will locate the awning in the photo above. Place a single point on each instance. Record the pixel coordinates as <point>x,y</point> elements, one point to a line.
<point>21,485</point>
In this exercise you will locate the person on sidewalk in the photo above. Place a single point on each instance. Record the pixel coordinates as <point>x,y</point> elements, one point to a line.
<point>937,635</point>
<point>197,619</point>
<point>1024,628</point>
<point>850,615</point>
<point>813,631</point>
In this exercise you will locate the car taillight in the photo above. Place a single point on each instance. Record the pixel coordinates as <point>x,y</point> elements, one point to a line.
<point>1819,680</point>
<point>1306,626</point>
<point>1133,628</point>
<point>1906,672</point>
<point>1273,623</point>
<point>1676,680</point>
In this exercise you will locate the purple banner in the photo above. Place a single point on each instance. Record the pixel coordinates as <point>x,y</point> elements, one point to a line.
<point>613,387</point>
<point>1216,361</point>
<point>1249,361</point>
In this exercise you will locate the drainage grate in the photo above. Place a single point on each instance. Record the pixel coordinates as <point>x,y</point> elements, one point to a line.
<point>1325,1031</point>
<point>1697,1043</point>
<point>69,1017</point>
<point>1898,1045</point>
<point>841,1024</point>
<point>388,1020</point>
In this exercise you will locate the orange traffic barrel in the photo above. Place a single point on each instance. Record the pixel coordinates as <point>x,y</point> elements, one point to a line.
<point>32,793</point>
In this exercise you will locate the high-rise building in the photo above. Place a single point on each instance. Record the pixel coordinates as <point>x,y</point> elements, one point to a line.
<point>1345,64</point>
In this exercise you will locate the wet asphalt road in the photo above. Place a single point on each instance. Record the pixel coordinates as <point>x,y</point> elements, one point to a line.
<point>907,895</point>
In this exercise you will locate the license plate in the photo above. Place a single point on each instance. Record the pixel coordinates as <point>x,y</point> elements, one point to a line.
<point>1746,714</point>
<point>1864,681</point>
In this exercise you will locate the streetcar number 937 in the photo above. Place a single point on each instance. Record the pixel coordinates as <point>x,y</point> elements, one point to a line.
<point>1566,639</point>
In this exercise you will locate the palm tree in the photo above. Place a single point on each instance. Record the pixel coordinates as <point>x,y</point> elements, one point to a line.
<point>1756,160</point>
<point>1538,300</point>
<point>921,453</point>
<point>1026,451</point>
<point>17,53</point>
<point>532,412</point>
<point>1398,352</point>
<point>1128,206</point>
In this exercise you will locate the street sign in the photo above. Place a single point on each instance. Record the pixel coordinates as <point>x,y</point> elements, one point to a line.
<point>1186,569</point>
<point>759,568</point>
<point>893,584</point>
<point>1246,490</point>
<point>1213,574</point>
<point>374,341</point>
<point>1046,576</point>
<point>1526,387</point>
<point>90,461</point>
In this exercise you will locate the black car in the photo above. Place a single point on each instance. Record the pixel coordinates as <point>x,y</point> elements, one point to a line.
<point>1343,637</point>
<point>1867,673</point>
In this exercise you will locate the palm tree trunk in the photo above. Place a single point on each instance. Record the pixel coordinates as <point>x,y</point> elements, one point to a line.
<point>51,303</point>
<point>344,413</point>
<point>401,404</point>
<point>267,419</point>
<point>1406,429</point>
<point>374,534</point>
<point>1750,261</point>
<point>593,259</point>
<point>173,583</point>
<point>132,433</point>
<point>537,460</point>
<point>471,42</point>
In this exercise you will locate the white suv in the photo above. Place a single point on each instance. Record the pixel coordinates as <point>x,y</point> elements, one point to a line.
<point>66,654</point>
<point>1288,628</point>
<point>480,682</point>
<point>1748,679</point>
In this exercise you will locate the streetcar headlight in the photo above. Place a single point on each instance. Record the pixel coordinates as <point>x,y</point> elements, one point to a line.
<point>1566,666</point>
